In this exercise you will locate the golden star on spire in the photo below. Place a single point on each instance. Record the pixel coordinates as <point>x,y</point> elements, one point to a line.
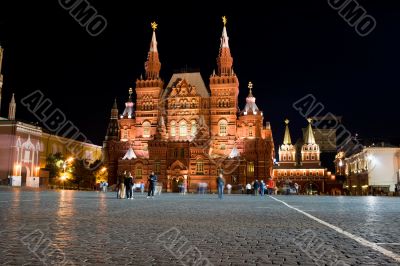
<point>287,121</point>
<point>224,20</point>
<point>130,92</point>
<point>309,120</point>
<point>250,86</point>
<point>154,25</point>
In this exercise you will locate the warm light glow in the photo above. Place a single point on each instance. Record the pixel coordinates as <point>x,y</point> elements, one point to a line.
<point>17,166</point>
<point>333,177</point>
<point>103,169</point>
<point>70,159</point>
<point>340,163</point>
<point>365,186</point>
<point>354,186</point>
<point>63,177</point>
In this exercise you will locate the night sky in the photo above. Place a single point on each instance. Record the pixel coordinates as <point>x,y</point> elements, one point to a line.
<point>287,49</point>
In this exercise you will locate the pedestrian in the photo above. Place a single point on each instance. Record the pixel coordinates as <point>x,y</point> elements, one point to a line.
<point>129,186</point>
<point>262,188</point>
<point>229,187</point>
<point>142,187</point>
<point>256,186</point>
<point>248,189</point>
<point>152,180</point>
<point>220,184</point>
<point>105,186</point>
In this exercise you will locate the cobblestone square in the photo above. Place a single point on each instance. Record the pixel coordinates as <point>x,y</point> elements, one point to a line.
<point>93,228</point>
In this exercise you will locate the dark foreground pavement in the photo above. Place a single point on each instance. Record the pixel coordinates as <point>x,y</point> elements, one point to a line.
<point>92,228</point>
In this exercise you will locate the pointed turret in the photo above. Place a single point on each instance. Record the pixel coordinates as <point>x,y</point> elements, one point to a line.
<point>310,152</point>
<point>287,140</point>
<point>153,65</point>
<point>224,60</point>
<point>113,128</point>
<point>129,112</point>
<point>251,106</point>
<point>287,152</point>
<point>309,135</point>
<point>12,108</point>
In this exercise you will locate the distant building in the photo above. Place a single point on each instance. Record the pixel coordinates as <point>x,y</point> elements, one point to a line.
<point>371,170</point>
<point>188,132</point>
<point>300,164</point>
<point>25,147</point>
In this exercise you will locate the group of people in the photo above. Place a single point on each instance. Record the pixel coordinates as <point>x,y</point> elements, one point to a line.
<point>126,186</point>
<point>258,188</point>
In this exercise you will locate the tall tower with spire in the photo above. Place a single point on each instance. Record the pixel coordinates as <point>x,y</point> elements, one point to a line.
<point>310,152</point>
<point>113,128</point>
<point>148,95</point>
<point>287,152</point>
<point>224,86</point>
<point>12,109</point>
<point>1,76</point>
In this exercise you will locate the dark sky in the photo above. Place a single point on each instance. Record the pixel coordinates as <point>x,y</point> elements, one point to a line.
<point>287,49</point>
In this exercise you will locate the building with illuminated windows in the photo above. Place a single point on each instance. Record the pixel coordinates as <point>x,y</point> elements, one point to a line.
<point>300,164</point>
<point>186,131</point>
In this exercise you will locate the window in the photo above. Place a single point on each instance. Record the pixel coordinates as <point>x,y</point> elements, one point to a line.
<point>307,158</point>
<point>200,167</point>
<point>182,155</point>
<point>173,129</point>
<point>193,130</point>
<point>223,147</point>
<point>312,157</point>
<point>182,129</point>
<point>250,167</point>
<point>251,131</point>
<point>138,172</point>
<point>284,157</point>
<point>146,129</point>
<point>176,153</point>
<point>223,127</point>
<point>157,167</point>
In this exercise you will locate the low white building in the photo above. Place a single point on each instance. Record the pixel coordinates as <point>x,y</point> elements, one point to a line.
<point>374,170</point>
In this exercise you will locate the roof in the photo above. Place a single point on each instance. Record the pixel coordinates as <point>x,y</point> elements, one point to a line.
<point>193,79</point>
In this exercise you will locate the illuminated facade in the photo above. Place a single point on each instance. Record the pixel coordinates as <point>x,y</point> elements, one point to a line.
<point>187,132</point>
<point>24,149</point>
<point>371,170</point>
<point>301,164</point>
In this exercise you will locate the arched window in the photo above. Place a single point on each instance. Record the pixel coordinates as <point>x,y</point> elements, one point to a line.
<point>250,167</point>
<point>173,129</point>
<point>146,129</point>
<point>138,172</point>
<point>223,124</point>
<point>199,167</point>
<point>157,167</point>
<point>182,129</point>
<point>193,129</point>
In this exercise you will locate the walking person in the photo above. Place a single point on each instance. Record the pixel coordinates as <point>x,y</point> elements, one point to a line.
<point>152,184</point>
<point>128,186</point>
<point>262,188</point>
<point>220,184</point>
<point>142,187</point>
<point>105,186</point>
<point>256,186</point>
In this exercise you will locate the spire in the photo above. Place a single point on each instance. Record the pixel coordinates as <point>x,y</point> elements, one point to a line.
<point>129,155</point>
<point>250,102</point>
<point>12,109</point>
<point>113,128</point>
<point>309,135</point>
<point>153,65</point>
<point>224,60</point>
<point>287,140</point>
<point>128,112</point>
